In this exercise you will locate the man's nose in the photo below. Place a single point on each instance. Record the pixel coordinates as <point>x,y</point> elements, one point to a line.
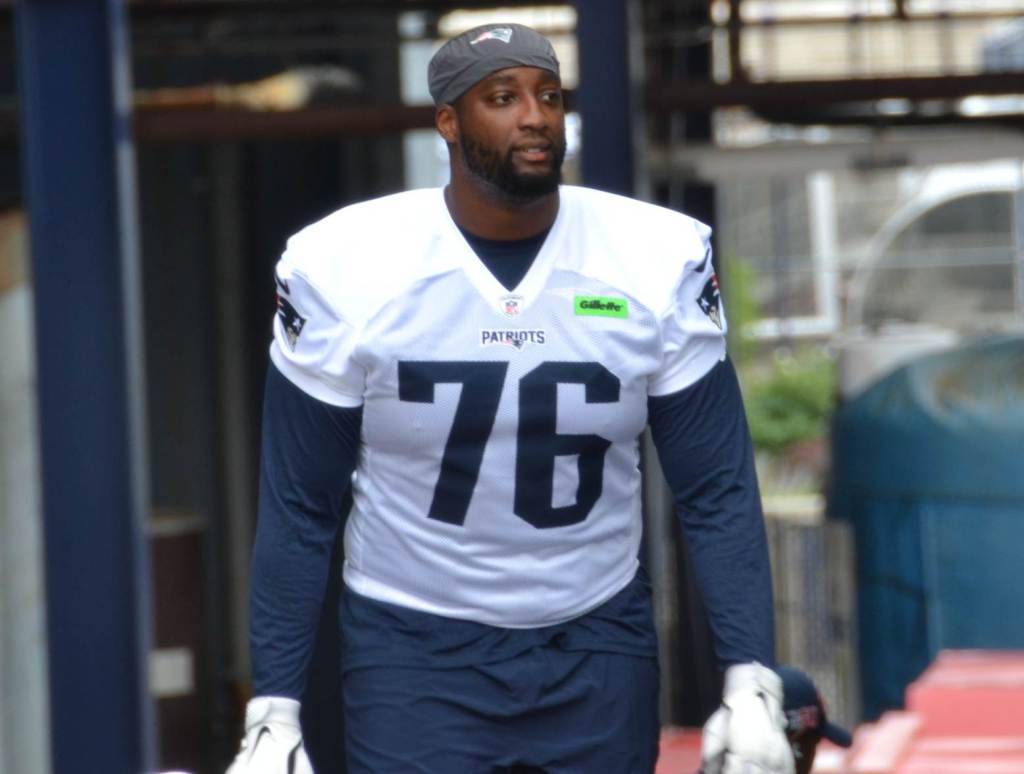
<point>533,114</point>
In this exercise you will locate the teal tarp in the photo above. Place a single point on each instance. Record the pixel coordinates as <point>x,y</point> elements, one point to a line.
<point>929,469</point>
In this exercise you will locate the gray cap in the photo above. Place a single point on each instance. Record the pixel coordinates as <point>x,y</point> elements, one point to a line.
<point>467,59</point>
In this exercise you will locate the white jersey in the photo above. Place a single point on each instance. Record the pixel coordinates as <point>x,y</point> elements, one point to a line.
<point>498,477</point>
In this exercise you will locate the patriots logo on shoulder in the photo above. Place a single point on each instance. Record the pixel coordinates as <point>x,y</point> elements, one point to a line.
<point>504,34</point>
<point>291,320</point>
<point>709,300</point>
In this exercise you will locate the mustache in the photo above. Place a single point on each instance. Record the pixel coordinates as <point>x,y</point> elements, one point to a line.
<point>556,144</point>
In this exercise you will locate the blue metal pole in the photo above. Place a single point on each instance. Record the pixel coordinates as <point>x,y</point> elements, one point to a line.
<point>74,98</point>
<point>606,103</point>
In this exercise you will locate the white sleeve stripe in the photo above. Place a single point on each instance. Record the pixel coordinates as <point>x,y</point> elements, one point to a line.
<point>702,354</point>
<point>309,384</point>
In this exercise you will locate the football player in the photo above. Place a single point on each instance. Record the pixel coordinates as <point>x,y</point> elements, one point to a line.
<point>484,358</point>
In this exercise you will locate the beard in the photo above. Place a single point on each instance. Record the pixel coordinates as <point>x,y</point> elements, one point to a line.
<point>499,171</point>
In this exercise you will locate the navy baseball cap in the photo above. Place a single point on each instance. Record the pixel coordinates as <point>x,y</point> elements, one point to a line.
<point>467,59</point>
<point>805,710</point>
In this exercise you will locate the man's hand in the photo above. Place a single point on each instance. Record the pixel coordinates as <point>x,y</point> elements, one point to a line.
<point>273,739</point>
<point>747,734</point>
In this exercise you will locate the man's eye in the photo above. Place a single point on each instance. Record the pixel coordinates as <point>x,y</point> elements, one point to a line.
<point>552,97</point>
<point>501,99</point>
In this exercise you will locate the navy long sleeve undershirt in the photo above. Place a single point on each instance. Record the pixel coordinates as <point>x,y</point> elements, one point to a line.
<point>308,453</point>
<point>706,453</point>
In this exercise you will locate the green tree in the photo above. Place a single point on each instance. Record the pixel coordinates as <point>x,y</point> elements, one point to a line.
<point>792,401</point>
<point>741,308</point>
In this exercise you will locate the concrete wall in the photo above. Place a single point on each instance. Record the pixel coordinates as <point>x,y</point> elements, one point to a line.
<point>24,716</point>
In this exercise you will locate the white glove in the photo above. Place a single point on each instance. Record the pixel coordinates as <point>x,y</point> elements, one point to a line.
<point>747,734</point>
<point>273,739</point>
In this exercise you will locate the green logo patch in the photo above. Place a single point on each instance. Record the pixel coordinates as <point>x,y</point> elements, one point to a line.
<point>601,306</point>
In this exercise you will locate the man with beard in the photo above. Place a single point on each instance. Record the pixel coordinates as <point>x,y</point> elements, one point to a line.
<point>484,358</point>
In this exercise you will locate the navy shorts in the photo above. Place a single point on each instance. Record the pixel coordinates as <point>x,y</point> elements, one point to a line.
<point>545,710</point>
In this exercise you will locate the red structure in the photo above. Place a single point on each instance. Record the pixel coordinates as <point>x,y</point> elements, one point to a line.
<point>964,715</point>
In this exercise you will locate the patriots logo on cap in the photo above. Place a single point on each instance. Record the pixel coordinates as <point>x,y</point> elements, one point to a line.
<point>803,719</point>
<point>504,34</point>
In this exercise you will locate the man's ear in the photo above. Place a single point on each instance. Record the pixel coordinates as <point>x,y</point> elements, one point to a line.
<point>447,123</point>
